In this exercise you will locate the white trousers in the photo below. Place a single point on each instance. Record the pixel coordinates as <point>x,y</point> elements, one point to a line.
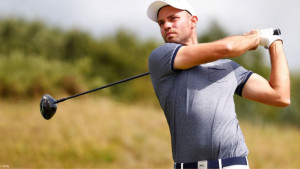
<point>237,167</point>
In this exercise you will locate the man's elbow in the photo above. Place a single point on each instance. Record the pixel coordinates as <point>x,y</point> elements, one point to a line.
<point>283,102</point>
<point>286,103</point>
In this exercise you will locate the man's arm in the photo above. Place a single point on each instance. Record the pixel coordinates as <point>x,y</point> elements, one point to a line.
<point>233,46</point>
<point>276,91</point>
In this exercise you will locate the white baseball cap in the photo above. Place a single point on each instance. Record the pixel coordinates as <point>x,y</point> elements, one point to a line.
<point>155,6</point>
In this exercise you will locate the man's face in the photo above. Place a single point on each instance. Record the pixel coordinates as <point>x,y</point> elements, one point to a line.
<point>175,25</point>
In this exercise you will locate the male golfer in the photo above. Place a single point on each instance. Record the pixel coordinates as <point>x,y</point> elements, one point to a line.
<point>195,84</point>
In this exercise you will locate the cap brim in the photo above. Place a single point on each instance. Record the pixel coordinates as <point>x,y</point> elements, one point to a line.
<point>153,9</point>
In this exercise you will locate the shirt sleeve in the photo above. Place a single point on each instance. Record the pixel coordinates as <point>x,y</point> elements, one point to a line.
<point>161,60</point>
<point>242,76</point>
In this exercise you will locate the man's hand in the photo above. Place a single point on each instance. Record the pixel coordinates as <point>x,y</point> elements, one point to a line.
<point>267,37</point>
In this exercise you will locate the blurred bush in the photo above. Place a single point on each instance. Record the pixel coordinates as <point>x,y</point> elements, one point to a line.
<point>36,59</point>
<point>30,76</point>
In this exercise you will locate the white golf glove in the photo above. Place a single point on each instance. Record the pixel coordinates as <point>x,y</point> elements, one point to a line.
<point>267,37</point>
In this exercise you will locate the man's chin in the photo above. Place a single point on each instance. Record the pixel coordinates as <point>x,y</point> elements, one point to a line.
<point>171,40</point>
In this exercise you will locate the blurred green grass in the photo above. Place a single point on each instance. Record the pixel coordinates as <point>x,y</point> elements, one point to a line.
<point>101,133</point>
<point>88,133</point>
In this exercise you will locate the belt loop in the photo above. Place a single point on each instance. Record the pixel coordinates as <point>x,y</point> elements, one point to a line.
<point>220,164</point>
<point>181,165</point>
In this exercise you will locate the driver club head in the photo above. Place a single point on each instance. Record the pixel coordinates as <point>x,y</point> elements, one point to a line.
<point>48,106</point>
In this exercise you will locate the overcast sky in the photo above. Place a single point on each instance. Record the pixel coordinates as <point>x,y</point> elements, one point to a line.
<point>100,17</point>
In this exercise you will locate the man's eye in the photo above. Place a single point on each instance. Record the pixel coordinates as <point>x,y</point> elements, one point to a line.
<point>173,18</point>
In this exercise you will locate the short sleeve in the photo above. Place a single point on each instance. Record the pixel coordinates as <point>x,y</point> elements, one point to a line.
<point>242,76</point>
<point>161,60</point>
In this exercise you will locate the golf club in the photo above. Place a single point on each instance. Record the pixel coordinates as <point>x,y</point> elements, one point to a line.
<point>48,104</point>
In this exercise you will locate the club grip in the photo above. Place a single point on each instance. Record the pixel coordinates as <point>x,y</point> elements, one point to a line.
<point>277,32</point>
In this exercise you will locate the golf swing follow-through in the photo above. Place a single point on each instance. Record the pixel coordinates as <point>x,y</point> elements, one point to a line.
<point>195,84</point>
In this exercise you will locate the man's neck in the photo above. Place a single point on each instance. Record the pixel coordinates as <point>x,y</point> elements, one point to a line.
<point>191,41</point>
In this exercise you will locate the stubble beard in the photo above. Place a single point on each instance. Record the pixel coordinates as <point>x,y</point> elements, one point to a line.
<point>178,40</point>
<point>182,36</point>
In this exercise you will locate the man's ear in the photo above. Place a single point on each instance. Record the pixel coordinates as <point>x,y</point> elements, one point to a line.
<point>194,21</point>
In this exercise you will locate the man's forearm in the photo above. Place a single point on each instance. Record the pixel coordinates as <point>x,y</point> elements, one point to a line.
<point>233,46</point>
<point>241,44</point>
<point>279,78</point>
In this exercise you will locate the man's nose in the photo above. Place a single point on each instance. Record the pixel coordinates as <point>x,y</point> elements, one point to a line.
<point>167,25</point>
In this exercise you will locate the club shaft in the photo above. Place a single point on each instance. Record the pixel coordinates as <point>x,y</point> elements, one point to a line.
<point>276,32</point>
<point>93,90</point>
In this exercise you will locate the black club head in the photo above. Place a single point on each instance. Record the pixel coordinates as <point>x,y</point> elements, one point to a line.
<point>48,106</point>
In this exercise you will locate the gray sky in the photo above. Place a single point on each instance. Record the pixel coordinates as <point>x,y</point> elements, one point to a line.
<point>100,17</point>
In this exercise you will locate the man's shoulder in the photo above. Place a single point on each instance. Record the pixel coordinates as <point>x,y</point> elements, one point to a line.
<point>164,51</point>
<point>165,48</point>
<point>161,60</point>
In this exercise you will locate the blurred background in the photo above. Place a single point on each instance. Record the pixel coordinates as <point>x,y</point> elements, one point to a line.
<point>69,46</point>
